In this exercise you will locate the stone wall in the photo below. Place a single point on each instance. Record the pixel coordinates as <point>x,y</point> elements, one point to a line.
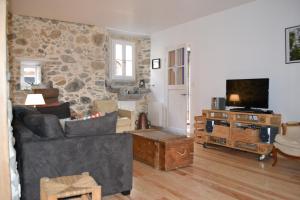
<point>75,58</point>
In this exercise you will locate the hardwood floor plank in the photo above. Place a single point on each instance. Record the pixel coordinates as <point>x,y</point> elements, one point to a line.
<point>218,173</point>
<point>233,184</point>
<point>255,167</point>
<point>273,183</point>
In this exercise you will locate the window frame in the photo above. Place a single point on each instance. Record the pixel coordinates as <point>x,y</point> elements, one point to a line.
<point>112,65</point>
<point>38,72</point>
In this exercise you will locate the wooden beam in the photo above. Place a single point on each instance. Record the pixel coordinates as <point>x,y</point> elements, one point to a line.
<point>5,187</point>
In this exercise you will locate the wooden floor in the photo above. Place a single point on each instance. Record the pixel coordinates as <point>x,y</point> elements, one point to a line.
<point>218,174</point>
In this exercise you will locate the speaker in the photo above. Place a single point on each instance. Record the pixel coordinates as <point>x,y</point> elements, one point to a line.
<point>267,134</point>
<point>209,126</point>
<point>218,103</point>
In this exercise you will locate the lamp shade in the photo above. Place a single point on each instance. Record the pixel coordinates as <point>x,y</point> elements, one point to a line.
<point>34,99</point>
<point>234,97</point>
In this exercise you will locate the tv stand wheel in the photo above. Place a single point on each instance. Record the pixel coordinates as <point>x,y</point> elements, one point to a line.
<point>262,157</point>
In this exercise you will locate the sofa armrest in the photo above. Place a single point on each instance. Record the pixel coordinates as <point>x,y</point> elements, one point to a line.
<point>130,115</point>
<point>126,113</point>
<point>291,129</point>
<point>107,158</point>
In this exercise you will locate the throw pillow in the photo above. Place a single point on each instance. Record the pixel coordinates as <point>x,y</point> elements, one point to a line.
<point>94,126</point>
<point>62,111</point>
<point>20,112</point>
<point>43,125</point>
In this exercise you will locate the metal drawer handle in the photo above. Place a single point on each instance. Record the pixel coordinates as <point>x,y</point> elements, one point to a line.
<point>181,154</point>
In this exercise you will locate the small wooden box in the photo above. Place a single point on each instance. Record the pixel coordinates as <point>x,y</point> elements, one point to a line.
<point>163,151</point>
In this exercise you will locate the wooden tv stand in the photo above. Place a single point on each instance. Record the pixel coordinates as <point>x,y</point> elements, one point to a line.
<point>238,130</point>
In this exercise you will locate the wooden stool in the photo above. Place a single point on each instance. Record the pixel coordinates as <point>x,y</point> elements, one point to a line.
<point>70,186</point>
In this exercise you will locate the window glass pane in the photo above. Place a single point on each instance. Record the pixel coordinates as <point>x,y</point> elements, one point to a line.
<point>30,74</point>
<point>29,71</point>
<point>129,68</point>
<point>180,57</point>
<point>128,52</point>
<point>171,76</point>
<point>118,69</point>
<point>180,76</point>
<point>29,80</point>
<point>122,60</point>
<point>118,52</point>
<point>171,58</point>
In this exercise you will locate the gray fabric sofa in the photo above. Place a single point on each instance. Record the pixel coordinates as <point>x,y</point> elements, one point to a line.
<point>108,158</point>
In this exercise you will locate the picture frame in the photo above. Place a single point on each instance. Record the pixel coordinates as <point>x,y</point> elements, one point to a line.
<point>292,44</point>
<point>156,63</point>
<point>142,83</point>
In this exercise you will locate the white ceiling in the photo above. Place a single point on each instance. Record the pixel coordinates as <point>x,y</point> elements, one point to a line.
<point>135,16</point>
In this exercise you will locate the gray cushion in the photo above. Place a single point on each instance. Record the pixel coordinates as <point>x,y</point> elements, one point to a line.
<point>62,110</point>
<point>21,111</point>
<point>43,125</point>
<point>97,126</point>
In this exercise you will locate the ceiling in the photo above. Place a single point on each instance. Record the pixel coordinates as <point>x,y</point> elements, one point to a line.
<point>135,16</point>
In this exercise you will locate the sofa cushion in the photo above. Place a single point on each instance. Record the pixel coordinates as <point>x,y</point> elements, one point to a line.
<point>62,111</point>
<point>293,132</point>
<point>20,112</point>
<point>288,141</point>
<point>44,125</point>
<point>96,126</point>
<point>123,125</point>
<point>288,149</point>
<point>123,121</point>
<point>22,133</point>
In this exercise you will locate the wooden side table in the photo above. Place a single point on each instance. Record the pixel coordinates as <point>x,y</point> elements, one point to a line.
<point>70,186</point>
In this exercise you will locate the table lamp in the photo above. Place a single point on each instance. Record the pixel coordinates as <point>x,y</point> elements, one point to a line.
<point>34,100</point>
<point>234,98</point>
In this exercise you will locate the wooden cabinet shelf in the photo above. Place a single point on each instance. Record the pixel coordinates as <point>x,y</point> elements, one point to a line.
<point>236,130</point>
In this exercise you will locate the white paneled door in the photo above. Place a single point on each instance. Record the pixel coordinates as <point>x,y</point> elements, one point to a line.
<point>177,92</point>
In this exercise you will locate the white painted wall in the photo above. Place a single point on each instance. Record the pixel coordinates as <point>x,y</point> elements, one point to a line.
<point>244,42</point>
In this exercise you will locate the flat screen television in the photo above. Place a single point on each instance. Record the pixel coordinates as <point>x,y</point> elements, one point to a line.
<point>248,93</point>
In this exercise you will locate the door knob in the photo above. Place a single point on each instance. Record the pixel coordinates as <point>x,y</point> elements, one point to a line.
<point>183,94</point>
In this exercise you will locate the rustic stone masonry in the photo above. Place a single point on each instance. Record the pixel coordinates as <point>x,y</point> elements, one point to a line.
<point>75,59</point>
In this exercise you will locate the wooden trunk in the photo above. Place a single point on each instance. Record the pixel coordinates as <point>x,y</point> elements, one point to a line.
<point>163,151</point>
<point>176,153</point>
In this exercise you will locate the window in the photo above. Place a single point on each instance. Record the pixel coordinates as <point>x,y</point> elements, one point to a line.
<point>123,60</point>
<point>30,74</point>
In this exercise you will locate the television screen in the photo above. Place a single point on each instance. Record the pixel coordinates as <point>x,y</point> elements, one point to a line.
<point>248,93</point>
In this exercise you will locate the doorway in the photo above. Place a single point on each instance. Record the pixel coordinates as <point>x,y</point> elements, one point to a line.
<point>178,95</point>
